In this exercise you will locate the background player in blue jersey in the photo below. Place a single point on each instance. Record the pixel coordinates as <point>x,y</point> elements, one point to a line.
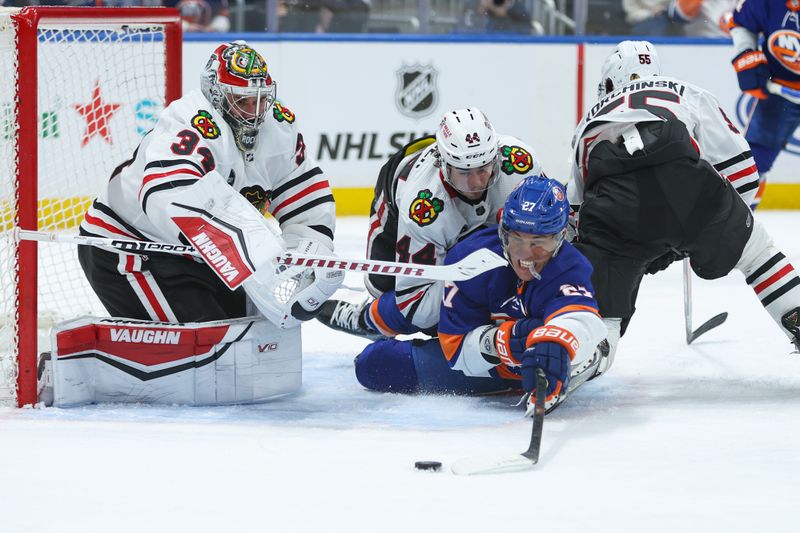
<point>498,328</point>
<point>766,36</point>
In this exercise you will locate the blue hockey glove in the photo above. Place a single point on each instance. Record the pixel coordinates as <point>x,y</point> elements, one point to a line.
<point>511,340</point>
<point>752,73</point>
<point>552,349</point>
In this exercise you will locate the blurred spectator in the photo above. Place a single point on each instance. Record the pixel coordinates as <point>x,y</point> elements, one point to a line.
<point>203,15</point>
<point>495,16</point>
<point>703,18</point>
<point>324,16</point>
<point>605,17</point>
<point>89,3</point>
<point>649,17</point>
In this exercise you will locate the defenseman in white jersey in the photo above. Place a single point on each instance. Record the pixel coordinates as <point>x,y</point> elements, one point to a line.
<point>216,161</point>
<point>429,196</point>
<point>660,173</point>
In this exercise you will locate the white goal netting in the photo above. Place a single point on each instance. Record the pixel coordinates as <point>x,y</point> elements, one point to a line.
<point>100,87</point>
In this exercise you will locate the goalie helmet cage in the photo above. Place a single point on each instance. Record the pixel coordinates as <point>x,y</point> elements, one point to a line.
<point>82,86</point>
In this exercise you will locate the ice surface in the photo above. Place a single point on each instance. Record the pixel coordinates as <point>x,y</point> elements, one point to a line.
<point>674,438</point>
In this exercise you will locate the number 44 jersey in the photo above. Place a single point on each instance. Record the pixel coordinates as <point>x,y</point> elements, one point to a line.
<point>655,98</point>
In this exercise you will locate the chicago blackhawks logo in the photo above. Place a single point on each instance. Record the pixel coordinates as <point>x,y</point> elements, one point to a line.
<point>425,208</point>
<point>282,114</point>
<point>257,196</point>
<point>203,123</point>
<point>515,160</point>
<point>784,45</point>
<point>244,62</point>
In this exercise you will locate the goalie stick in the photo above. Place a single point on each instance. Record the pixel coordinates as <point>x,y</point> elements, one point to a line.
<point>513,463</point>
<point>792,95</point>
<point>472,265</point>
<point>709,324</point>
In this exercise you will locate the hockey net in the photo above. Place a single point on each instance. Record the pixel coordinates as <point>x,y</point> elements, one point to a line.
<point>81,86</point>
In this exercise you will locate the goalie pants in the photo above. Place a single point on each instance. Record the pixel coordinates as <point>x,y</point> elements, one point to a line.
<point>640,207</point>
<point>159,287</point>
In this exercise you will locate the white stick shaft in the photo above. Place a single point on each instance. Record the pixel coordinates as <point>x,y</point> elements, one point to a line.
<point>469,267</point>
<point>793,95</point>
<point>687,299</point>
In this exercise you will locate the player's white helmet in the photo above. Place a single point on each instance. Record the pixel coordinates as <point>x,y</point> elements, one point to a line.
<point>466,142</point>
<point>628,61</point>
<point>237,83</point>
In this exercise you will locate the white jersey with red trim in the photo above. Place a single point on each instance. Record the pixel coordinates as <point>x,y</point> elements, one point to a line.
<point>190,140</point>
<point>655,98</point>
<point>433,217</point>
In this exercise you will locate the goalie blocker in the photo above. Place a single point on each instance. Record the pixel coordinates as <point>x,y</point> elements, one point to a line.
<point>239,361</point>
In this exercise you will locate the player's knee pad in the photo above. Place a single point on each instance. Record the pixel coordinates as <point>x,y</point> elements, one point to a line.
<point>388,366</point>
<point>205,363</point>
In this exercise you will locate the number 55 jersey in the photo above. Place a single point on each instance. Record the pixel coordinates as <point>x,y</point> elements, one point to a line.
<point>656,98</point>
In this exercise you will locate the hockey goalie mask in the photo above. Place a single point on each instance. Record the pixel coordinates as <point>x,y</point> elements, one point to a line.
<point>468,151</point>
<point>630,60</point>
<point>533,225</point>
<point>237,83</point>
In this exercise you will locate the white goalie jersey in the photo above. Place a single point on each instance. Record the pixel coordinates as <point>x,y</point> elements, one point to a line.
<point>190,141</point>
<point>656,98</point>
<point>432,217</point>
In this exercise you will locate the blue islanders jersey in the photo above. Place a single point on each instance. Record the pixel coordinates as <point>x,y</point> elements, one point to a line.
<point>563,296</point>
<point>779,22</point>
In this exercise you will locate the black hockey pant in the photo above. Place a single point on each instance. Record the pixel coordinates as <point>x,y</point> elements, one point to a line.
<point>662,199</point>
<point>159,287</point>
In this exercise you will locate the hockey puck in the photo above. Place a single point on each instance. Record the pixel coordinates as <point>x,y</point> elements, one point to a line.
<point>433,466</point>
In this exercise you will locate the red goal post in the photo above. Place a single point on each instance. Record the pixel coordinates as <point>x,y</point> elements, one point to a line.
<point>87,83</point>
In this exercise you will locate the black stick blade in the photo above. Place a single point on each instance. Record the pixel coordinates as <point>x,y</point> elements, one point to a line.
<point>708,326</point>
<point>532,452</point>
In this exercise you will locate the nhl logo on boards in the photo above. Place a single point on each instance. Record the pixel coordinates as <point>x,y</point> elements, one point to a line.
<point>416,95</point>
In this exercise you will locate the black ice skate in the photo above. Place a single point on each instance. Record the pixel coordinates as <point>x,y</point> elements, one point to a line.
<point>791,321</point>
<point>347,317</point>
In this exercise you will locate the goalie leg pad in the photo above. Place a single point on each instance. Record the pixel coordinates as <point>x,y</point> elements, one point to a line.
<point>207,363</point>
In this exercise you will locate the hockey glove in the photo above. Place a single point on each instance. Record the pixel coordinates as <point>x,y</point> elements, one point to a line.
<point>661,263</point>
<point>752,73</point>
<point>315,285</point>
<point>507,342</point>
<point>552,349</point>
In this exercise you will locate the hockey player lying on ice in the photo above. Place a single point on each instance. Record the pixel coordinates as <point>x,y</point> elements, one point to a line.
<point>216,160</point>
<point>498,328</point>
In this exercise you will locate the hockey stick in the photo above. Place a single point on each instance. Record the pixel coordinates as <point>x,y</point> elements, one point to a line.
<point>793,95</point>
<point>709,324</point>
<point>472,265</point>
<point>513,463</point>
